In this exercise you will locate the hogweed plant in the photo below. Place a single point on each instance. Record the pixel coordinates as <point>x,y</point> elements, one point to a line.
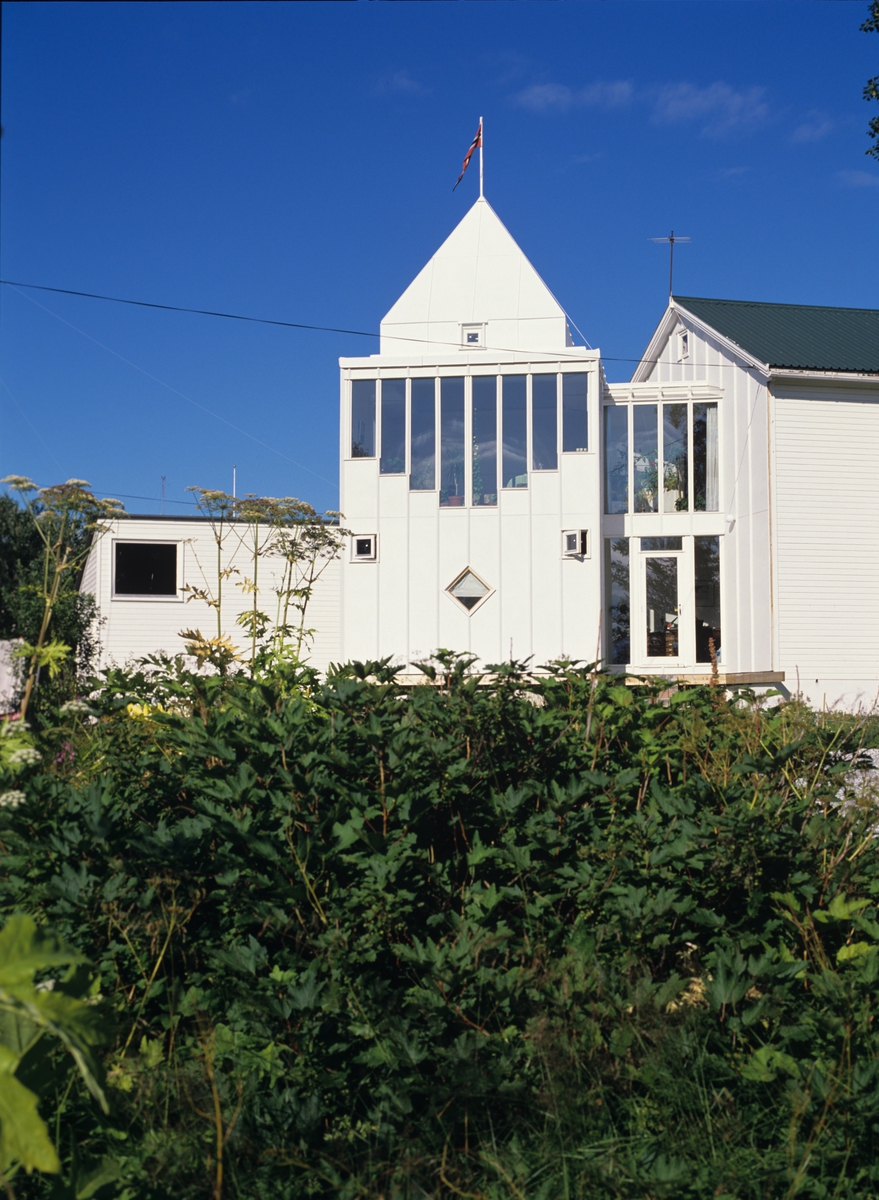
<point>249,529</point>
<point>69,518</point>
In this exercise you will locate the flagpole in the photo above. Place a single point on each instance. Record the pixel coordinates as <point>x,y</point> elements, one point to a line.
<point>481,139</point>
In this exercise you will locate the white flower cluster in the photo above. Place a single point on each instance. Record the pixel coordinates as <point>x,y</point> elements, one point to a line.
<point>27,756</point>
<point>12,799</point>
<point>76,706</point>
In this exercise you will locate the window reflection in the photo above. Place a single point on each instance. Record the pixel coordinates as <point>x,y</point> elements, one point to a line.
<point>662,607</point>
<point>515,432</point>
<point>645,455</point>
<point>452,442</point>
<point>393,455</point>
<point>705,481</point>
<point>616,459</point>
<point>422,436</point>
<point>484,439</point>
<point>574,412</point>
<point>363,418</point>
<point>616,606</point>
<point>675,458</point>
<point>707,571</point>
<point>544,423</point>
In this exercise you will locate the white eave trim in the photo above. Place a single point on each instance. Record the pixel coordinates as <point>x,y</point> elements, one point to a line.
<point>663,331</point>
<point>817,376</point>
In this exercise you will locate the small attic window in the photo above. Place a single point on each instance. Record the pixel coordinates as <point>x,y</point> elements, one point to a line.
<point>472,336</point>
<point>683,344</point>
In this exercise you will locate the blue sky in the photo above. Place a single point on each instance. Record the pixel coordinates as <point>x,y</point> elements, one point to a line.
<point>296,161</point>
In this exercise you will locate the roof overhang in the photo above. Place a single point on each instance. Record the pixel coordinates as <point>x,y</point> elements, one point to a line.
<point>794,373</point>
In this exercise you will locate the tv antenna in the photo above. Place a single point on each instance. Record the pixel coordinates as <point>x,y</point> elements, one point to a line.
<point>671,239</point>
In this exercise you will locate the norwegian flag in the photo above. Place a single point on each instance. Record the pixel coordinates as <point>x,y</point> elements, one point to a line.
<point>477,141</point>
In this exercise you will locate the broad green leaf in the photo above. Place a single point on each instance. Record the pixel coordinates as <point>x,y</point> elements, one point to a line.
<point>23,1134</point>
<point>855,950</point>
<point>844,909</point>
<point>92,1181</point>
<point>26,949</point>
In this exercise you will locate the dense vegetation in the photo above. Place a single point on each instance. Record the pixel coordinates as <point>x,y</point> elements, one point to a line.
<point>22,569</point>
<point>556,938</point>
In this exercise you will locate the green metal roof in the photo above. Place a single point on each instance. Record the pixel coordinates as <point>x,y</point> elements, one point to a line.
<point>799,336</point>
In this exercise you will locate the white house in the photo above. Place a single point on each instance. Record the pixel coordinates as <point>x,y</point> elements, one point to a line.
<point>505,500</point>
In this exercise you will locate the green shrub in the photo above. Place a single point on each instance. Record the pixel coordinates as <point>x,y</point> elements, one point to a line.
<point>534,938</point>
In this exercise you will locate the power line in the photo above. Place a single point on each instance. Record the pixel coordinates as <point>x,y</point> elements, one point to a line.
<point>202,312</point>
<point>176,391</point>
<point>206,312</point>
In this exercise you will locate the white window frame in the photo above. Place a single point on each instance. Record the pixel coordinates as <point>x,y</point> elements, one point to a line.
<point>145,598</point>
<point>364,558</point>
<point>583,537</point>
<point>462,608</point>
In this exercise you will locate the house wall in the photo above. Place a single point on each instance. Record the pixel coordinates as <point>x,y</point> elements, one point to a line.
<point>746,581</point>
<point>826,450</point>
<point>542,606</point>
<point>133,627</point>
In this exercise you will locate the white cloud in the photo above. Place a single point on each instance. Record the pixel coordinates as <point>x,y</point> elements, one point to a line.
<point>729,172</point>
<point>858,179</point>
<point>558,97</point>
<point>720,106</point>
<point>402,81</point>
<point>817,127</point>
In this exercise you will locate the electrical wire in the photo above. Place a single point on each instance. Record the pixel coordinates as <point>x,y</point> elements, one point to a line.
<point>207,312</point>
<point>176,391</point>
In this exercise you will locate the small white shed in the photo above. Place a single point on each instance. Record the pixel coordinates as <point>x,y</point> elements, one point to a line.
<point>141,573</point>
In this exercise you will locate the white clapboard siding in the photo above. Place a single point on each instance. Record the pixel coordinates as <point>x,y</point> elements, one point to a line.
<point>827,537</point>
<point>134,627</point>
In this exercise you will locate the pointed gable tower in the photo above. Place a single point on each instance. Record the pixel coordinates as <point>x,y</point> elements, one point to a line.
<point>479,291</point>
<point>469,466</point>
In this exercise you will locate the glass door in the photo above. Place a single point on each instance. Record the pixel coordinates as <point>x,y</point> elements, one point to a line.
<point>661,608</point>
<point>661,636</point>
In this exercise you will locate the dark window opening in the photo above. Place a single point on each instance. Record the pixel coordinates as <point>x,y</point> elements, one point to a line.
<point>393,456</point>
<point>422,437</point>
<point>363,418</point>
<point>514,432</point>
<point>544,423</point>
<point>484,440</point>
<point>574,416</point>
<point>617,603</point>
<point>146,569</point>
<point>707,567</point>
<point>452,442</point>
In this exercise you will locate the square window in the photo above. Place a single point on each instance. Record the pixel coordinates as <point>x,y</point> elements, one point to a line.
<point>145,569</point>
<point>472,336</point>
<point>575,543</point>
<point>364,548</point>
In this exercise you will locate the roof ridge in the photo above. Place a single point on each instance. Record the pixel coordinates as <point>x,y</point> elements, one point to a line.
<point>775,304</point>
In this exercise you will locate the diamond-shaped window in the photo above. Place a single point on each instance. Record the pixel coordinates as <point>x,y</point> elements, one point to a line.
<point>468,589</point>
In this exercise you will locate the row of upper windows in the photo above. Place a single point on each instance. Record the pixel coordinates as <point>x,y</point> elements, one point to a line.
<point>426,421</point>
<point>661,458</point>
